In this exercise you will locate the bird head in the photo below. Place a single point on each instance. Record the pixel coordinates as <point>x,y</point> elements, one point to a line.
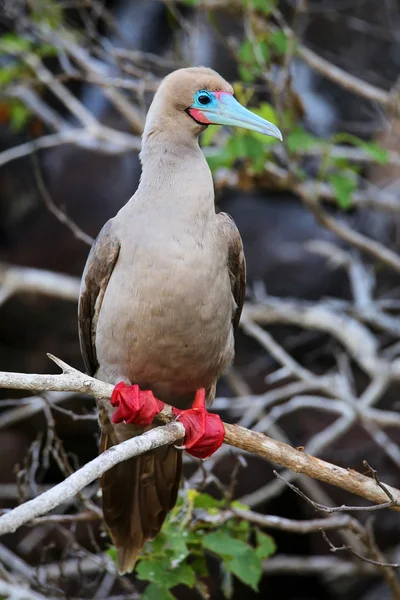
<point>221,108</point>
<point>195,97</point>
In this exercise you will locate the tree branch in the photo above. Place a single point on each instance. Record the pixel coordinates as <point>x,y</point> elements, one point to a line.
<point>15,280</point>
<point>277,452</point>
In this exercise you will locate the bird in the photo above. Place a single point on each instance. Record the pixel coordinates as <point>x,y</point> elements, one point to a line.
<point>161,296</point>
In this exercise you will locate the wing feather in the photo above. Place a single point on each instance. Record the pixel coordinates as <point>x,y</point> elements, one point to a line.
<point>99,267</point>
<point>236,264</point>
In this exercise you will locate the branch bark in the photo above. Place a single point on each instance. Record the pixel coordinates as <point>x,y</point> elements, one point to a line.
<point>256,443</point>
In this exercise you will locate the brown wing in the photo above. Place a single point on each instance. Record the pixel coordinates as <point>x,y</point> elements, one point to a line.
<point>138,493</point>
<point>236,263</point>
<point>99,267</point>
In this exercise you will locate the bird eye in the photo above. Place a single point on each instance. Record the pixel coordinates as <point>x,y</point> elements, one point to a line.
<point>204,98</point>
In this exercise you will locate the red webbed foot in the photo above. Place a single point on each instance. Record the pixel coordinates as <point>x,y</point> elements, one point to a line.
<point>204,431</point>
<point>134,405</point>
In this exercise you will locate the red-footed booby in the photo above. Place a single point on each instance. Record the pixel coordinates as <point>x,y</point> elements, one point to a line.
<point>161,296</point>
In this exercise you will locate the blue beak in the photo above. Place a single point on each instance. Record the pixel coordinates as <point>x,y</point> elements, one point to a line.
<point>224,109</point>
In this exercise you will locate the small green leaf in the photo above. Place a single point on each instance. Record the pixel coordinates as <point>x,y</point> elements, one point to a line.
<point>247,567</point>
<point>221,543</point>
<point>299,139</point>
<point>375,150</point>
<point>199,566</point>
<point>176,545</point>
<point>158,571</point>
<point>219,160</point>
<point>265,545</point>
<point>154,592</point>
<point>207,137</point>
<point>9,74</point>
<point>239,505</point>
<point>266,111</point>
<point>155,571</point>
<point>265,51</point>
<point>112,553</point>
<point>185,574</point>
<point>246,74</point>
<point>206,501</point>
<point>343,186</point>
<point>263,6</point>
<point>246,53</point>
<point>12,43</point>
<point>380,154</point>
<point>48,13</point>
<point>157,545</point>
<point>19,116</point>
<point>46,50</point>
<point>280,41</point>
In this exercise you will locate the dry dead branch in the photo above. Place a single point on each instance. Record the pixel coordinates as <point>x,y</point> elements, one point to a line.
<point>277,452</point>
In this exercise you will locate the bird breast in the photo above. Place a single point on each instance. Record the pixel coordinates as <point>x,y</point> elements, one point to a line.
<point>172,330</point>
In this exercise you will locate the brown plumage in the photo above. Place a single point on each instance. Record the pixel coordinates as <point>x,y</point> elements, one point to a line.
<point>161,294</point>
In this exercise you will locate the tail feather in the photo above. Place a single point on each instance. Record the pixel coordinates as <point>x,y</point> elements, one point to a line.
<point>137,495</point>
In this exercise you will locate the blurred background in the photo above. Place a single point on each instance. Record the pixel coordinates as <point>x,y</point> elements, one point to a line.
<point>316,360</point>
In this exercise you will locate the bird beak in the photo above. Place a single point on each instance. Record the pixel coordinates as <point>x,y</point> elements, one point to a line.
<point>226,110</point>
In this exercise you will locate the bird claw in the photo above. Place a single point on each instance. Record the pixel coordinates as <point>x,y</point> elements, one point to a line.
<point>204,431</point>
<point>134,405</point>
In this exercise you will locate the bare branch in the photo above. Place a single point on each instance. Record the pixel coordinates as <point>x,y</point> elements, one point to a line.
<point>377,563</point>
<point>275,451</point>
<point>26,280</point>
<point>54,209</point>
<point>94,469</point>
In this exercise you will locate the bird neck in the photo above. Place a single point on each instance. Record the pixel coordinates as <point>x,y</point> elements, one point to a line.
<point>176,179</point>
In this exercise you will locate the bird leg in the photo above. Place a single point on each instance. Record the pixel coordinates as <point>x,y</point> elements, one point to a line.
<point>204,431</point>
<point>134,405</point>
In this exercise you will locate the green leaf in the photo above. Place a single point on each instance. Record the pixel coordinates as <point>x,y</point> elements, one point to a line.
<point>206,501</point>
<point>154,570</point>
<point>184,574</point>
<point>239,505</point>
<point>299,139</point>
<point>207,137</point>
<point>219,160</point>
<point>247,75</point>
<point>176,544</point>
<point>158,571</point>
<point>112,553</point>
<point>264,50</point>
<point>381,155</point>
<point>199,566</point>
<point>19,115</point>
<point>375,150</point>
<point>266,111</point>
<point>239,529</point>
<point>12,43</point>
<point>10,73</point>
<point>221,543</point>
<point>279,41</point>
<point>247,567</point>
<point>154,592</point>
<point>46,50</point>
<point>246,53</point>
<point>48,13</point>
<point>157,545</point>
<point>343,186</point>
<point>263,6</point>
<point>265,545</point>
